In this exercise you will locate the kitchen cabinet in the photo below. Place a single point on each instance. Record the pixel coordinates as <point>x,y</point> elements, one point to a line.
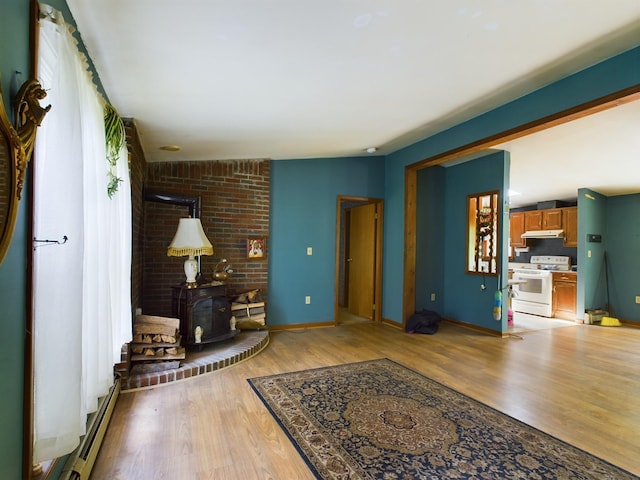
<point>532,220</point>
<point>516,229</point>
<point>570,226</point>
<point>552,219</point>
<point>563,300</point>
<point>549,219</point>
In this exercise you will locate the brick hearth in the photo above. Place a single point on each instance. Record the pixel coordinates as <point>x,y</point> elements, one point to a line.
<point>212,357</point>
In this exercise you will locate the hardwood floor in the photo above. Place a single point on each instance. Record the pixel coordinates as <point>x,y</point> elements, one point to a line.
<point>580,384</point>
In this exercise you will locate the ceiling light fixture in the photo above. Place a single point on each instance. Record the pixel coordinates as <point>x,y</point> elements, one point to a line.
<point>372,150</point>
<point>171,148</point>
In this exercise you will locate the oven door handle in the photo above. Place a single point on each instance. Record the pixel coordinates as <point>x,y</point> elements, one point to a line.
<point>528,275</point>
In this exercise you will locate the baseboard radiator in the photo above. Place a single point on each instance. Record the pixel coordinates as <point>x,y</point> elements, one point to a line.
<point>81,460</point>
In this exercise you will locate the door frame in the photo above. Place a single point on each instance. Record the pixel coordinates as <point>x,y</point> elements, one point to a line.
<point>377,287</point>
<point>411,172</point>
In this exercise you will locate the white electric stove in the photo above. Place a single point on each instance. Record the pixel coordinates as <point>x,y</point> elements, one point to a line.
<point>533,283</point>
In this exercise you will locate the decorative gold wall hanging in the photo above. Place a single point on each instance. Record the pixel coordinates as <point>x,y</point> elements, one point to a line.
<point>16,147</point>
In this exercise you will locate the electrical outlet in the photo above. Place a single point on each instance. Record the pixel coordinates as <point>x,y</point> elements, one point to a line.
<point>307,299</point>
<point>637,298</point>
<point>433,297</point>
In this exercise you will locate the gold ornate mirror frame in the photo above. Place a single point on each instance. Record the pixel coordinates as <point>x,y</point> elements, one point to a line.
<point>16,146</point>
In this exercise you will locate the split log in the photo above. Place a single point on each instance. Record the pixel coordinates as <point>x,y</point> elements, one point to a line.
<point>151,329</point>
<point>179,355</point>
<point>156,320</point>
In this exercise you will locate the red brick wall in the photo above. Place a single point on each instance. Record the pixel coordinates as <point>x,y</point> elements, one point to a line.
<point>234,206</point>
<point>137,171</point>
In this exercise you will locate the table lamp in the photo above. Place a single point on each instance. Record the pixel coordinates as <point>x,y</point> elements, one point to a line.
<point>190,241</point>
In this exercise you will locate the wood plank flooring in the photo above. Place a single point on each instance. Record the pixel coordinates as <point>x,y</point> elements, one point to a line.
<point>580,384</point>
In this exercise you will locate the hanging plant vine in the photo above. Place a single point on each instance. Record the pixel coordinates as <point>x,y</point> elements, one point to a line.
<point>115,137</point>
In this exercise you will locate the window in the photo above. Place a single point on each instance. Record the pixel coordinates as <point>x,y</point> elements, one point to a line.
<point>483,212</point>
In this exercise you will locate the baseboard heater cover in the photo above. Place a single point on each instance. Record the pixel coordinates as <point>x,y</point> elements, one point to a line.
<point>81,460</point>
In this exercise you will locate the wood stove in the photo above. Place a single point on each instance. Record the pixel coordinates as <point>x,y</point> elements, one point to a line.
<point>204,313</point>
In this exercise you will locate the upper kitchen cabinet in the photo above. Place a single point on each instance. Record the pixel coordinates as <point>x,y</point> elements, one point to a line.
<point>570,226</point>
<point>552,219</point>
<point>532,220</point>
<point>516,229</point>
<point>549,219</point>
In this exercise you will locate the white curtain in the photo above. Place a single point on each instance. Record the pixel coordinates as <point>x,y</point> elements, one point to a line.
<point>82,308</point>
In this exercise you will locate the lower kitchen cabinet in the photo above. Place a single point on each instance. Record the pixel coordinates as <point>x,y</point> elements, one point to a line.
<point>564,295</point>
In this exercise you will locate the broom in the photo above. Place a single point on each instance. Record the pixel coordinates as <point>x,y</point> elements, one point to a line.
<point>608,321</point>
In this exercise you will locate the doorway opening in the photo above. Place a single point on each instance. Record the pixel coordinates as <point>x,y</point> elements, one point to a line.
<point>472,150</point>
<point>358,283</point>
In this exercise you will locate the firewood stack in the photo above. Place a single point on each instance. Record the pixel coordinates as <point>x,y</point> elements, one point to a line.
<point>155,345</point>
<point>248,309</point>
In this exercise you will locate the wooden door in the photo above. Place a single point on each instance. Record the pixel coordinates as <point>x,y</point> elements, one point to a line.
<point>361,260</point>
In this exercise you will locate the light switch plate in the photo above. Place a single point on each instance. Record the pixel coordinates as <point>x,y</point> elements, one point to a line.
<point>309,251</point>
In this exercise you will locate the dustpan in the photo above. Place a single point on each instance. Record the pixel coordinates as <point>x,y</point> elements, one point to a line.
<point>607,321</point>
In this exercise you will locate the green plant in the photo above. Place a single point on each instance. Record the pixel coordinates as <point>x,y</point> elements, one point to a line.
<point>115,137</point>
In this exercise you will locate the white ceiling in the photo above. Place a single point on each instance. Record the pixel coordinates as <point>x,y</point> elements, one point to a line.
<point>601,152</point>
<point>237,79</point>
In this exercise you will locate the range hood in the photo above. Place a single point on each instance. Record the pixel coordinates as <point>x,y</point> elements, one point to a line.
<point>543,234</point>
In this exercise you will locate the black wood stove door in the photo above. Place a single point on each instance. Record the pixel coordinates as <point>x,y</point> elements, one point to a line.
<point>212,315</point>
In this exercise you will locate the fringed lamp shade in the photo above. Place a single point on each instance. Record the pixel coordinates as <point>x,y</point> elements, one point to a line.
<point>190,241</point>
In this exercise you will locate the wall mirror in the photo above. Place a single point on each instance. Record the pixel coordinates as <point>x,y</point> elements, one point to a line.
<point>483,213</point>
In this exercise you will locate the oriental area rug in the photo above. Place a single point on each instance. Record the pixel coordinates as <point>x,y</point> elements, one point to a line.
<point>378,419</point>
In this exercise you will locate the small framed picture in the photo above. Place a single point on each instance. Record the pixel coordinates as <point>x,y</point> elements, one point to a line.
<point>256,248</point>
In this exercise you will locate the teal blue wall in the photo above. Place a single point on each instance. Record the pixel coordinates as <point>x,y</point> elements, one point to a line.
<point>464,299</point>
<point>303,214</point>
<point>14,55</point>
<point>592,213</point>
<point>617,220</point>
<point>623,255</point>
<point>441,211</point>
<point>612,75</point>
<point>430,236</point>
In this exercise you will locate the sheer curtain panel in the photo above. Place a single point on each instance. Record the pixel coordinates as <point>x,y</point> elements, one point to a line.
<point>82,308</point>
